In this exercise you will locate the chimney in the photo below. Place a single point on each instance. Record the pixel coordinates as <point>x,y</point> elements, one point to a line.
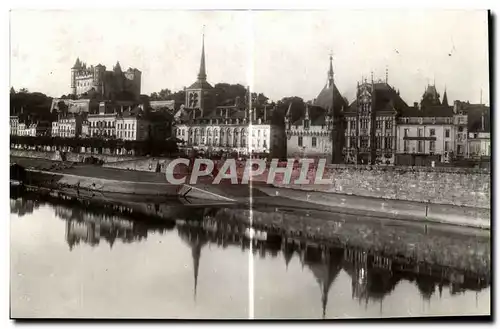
<point>482,122</point>
<point>415,104</point>
<point>265,113</point>
<point>227,113</point>
<point>455,107</point>
<point>254,112</point>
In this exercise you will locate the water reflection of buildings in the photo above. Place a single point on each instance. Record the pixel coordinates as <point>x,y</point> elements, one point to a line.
<point>373,276</point>
<point>23,206</point>
<point>90,228</point>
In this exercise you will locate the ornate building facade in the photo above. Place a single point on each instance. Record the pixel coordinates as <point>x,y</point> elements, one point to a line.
<point>370,134</point>
<point>105,84</point>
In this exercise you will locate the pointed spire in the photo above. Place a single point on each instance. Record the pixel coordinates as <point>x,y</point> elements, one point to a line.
<point>202,75</point>
<point>289,111</point>
<point>445,98</point>
<point>324,298</point>
<point>330,72</point>
<point>196,254</point>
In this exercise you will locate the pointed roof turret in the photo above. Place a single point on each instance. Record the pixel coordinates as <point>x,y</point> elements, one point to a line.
<point>330,96</point>
<point>78,64</point>
<point>445,98</point>
<point>117,67</point>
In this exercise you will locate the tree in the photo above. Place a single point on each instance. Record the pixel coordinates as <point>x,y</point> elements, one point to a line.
<point>12,91</point>
<point>164,94</point>
<point>23,90</point>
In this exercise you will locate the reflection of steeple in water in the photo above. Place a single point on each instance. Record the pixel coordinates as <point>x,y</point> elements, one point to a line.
<point>325,263</point>
<point>287,250</point>
<point>426,286</point>
<point>196,238</point>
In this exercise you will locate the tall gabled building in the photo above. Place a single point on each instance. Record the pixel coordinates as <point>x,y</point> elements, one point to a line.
<point>370,134</point>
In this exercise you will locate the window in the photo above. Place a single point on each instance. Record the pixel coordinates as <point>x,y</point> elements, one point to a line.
<point>353,125</point>
<point>300,141</point>
<point>420,133</point>
<point>364,142</point>
<point>406,146</point>
<point>313,143</point>
<point>406,132</point>
<point>447,133</point>
<point>352,142</point>
<point>460,129</point>
<point>432,146</point>
<point>432,132</point>
<point>420,146</point>
<point>388,124</point>
<point>388,143</point>
<point>379,124</point>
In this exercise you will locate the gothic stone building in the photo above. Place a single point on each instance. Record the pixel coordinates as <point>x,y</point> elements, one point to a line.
<point>318,132</point>
<point>370,131</point>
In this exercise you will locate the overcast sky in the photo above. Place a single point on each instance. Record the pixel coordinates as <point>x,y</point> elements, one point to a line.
<point>287,51</point>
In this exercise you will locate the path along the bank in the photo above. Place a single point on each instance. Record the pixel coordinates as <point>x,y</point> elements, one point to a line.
<point>258,193</point>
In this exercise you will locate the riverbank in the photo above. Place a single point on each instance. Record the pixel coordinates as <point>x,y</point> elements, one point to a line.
<point>96,179</point>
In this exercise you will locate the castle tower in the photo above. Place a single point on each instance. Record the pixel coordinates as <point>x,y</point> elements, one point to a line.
<point>99,78</point>
<point>74,72</point>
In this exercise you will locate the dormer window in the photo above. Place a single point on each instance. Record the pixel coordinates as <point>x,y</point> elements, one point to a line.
<point>306,124</point>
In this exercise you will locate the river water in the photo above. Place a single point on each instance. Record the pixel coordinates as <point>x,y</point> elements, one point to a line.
<point>71,260</point>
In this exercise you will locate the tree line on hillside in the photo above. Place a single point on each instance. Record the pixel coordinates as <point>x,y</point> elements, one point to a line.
<point>36,105</point>
<point>33,105</point>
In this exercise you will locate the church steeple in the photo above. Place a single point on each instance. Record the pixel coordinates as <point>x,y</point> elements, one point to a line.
<point>196,254</point>
<point>202,75</point>
<point>330,73</point>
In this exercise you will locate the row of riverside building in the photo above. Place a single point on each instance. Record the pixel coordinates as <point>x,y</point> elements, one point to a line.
<point>378,127</point>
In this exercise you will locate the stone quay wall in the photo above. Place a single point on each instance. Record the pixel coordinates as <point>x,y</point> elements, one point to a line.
<point>442,185</point>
